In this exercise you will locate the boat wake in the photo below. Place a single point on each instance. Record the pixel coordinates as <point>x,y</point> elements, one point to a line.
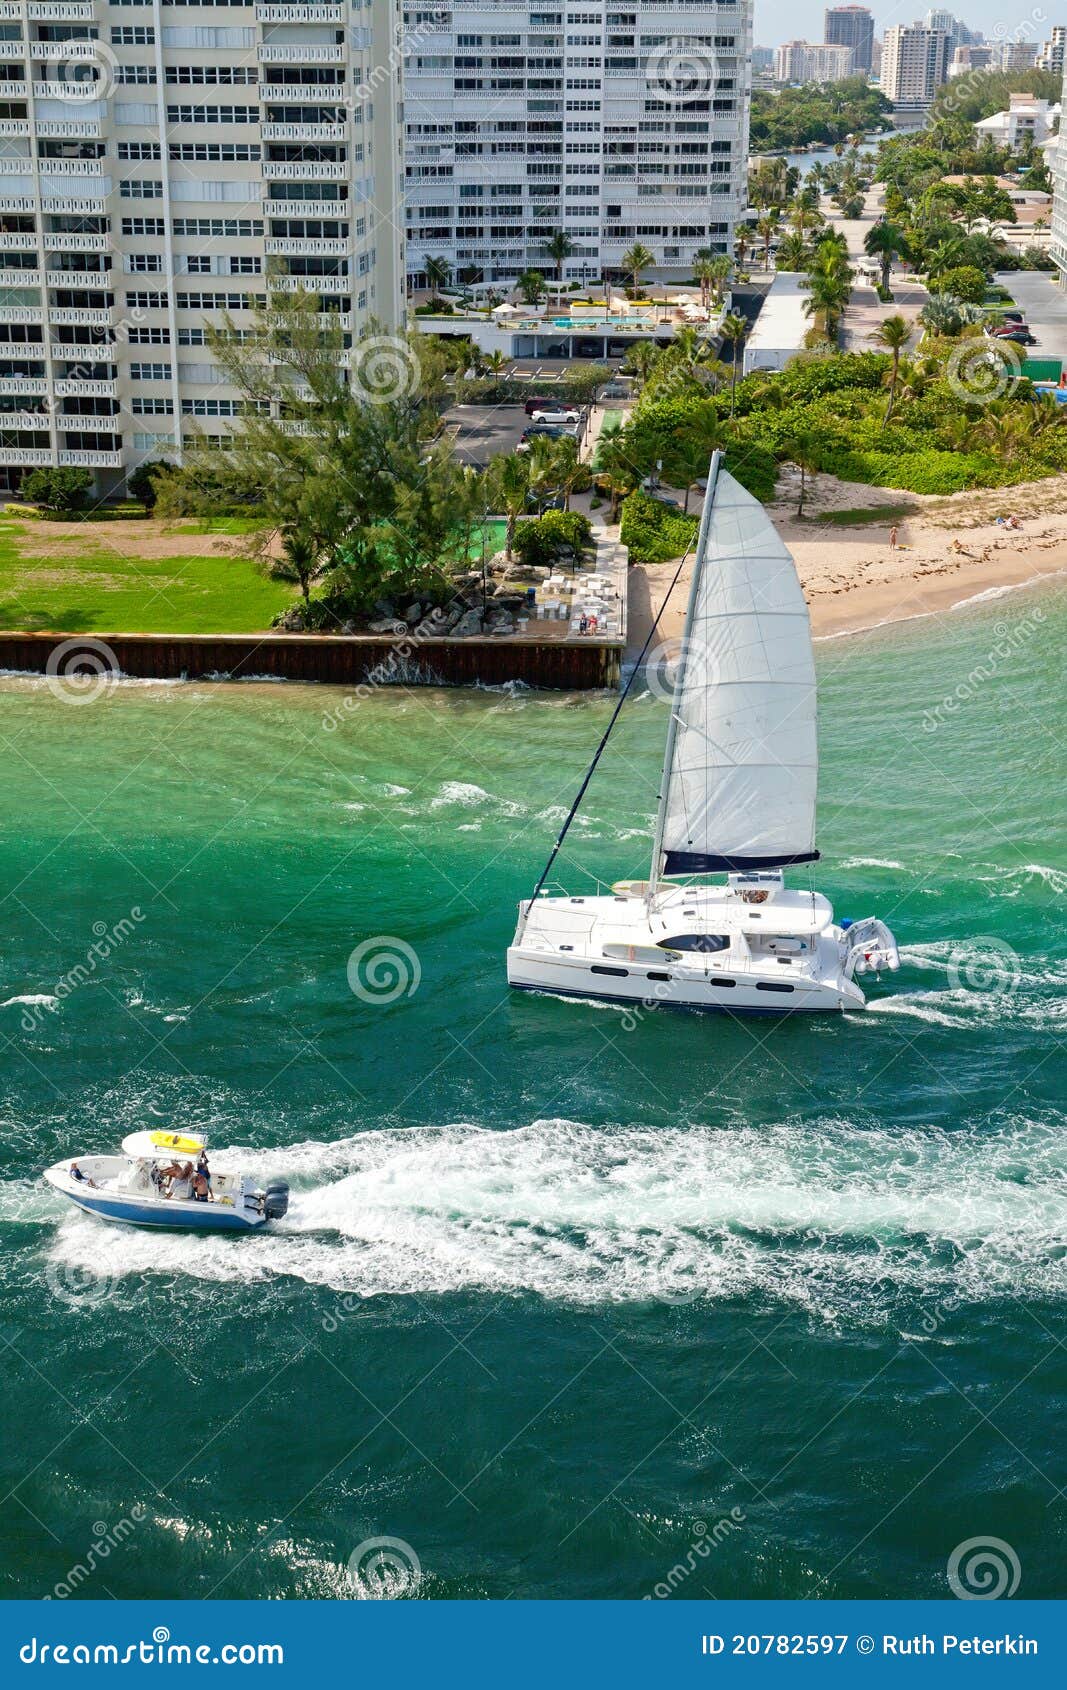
<point>844,1221</point>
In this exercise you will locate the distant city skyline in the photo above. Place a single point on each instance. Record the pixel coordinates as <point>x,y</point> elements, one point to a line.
<point>789,20</point>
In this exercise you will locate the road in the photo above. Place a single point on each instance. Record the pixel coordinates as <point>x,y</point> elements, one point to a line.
<point>1035,292</point>
<point>865,310</point>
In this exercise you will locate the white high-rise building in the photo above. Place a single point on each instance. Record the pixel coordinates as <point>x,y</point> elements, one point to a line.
<point>608,125</point>
<point>161,160</point>
<point>813,61</point>
<point>1057,162</point>
<point>914,64</point>
<point>1052,54</point>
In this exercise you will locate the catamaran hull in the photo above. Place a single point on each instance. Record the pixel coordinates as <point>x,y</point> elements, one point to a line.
<point>712,993</point>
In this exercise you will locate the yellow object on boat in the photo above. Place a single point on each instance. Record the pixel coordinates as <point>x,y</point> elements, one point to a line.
<point>178,1141</point>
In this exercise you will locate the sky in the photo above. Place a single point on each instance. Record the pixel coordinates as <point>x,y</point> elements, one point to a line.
<point>802,20</point>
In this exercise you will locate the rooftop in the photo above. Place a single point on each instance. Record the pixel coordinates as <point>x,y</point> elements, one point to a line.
<point>781,324</point>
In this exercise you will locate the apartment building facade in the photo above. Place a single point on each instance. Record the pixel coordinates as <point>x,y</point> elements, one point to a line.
<point>914,65</point>
<point>162,164</point>
<point>612,123</point>
<point>812,61</point>
<point>851,26</point>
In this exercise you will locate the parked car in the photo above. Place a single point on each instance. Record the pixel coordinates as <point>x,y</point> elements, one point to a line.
<point>614,390</point>
<point>562,419</point>
<point>533,405</point>
<point>1021,337</point>
<point>547,431</point>
<point>1014,317</point>
<point>1009,328</point>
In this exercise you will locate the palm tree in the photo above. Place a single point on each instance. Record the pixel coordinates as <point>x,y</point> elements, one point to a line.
<point>634,261</point>
<point>827,299</point>
<point>703,270</point>
<point>741,246</point>
<point>614,464</point>
<point>510,488</point>
<point>885,241</point>
<point>802,450</point>
<point>559,248</point>
<point>733,329</point>
<point>765,229</point>
<point>721,269</point>
<point>894,335</point>
<point>494,363</point>
<point>641,359</point>
<point>531,284</point>
<point>438,273</point>
<point>792,251</point>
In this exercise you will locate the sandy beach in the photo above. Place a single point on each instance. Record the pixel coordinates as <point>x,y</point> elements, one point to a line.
<point>854,579</point>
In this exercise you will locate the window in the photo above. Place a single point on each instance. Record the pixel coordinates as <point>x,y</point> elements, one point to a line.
<point>150,407</point>
<point>143,226</point>
<point>132,34</point>
<point>125,74</point>
<point>212,114</point>
<point>706,943</point>
<point>219,301</point>
<point>151,442</point>
<point>150,372</point>
<point>213,152</point>
<point>147,301</point>
<point>233,228</point>
<point>139,149</point>
<point>211,75</point>
<point>149,337</point>
<point>142,262</point>
<point>138,189</point>
<point>196,264</point>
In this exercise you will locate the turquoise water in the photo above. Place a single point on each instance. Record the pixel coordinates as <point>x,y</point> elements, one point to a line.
<point>555,1296</point>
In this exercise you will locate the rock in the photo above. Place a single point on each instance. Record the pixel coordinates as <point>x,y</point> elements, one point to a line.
<point>471,623</point>
<point>387,626</point>
<point>413,613</point>
<point>348,627</point>
<point>385,609</point>
<point>292,622</point>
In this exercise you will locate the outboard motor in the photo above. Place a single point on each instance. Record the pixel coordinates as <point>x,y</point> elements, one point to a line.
<point>276,1199</point>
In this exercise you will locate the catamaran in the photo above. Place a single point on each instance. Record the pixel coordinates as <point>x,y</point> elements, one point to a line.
<point>737,798</point>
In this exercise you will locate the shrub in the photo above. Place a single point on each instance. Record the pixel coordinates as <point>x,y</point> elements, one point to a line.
<point>965,282</point>
<point>143,483</point>
<point>64,491</point>
<point>540,543</point>
<point>653,531</point>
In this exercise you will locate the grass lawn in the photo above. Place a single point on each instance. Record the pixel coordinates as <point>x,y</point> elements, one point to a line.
<point>76,581</point>
<point>133,577</point>
<point>861,514</point>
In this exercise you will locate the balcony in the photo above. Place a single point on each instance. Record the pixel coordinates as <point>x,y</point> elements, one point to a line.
<point>90,460</point>
<point>93,352</point>
<point>73,93</point>
<point>299,14</point>
<point>277,247</point>
<point>29,457</point>
<point>64,52</point>
<point>304,131</point>
<point>305,208</point>
<point>32,420</point>
<point>300,55</point>
<point>70,243</point>
<point>95,317</point>
<point>82,129</point>
<point>14,126</point>
<point>15,90</point>
<point>22,165</point>
<point>21,314</point>
<point>26,387</point>
<point>62,205</point>
<point>58,11</point>
<point>18,243</point>
<point>321,171</point>
<point>19,278</point>
<point>70,388</point>
<point>60,167</point>
<point>284,93</point>
<point>78,278</point>
<point>313,284</point>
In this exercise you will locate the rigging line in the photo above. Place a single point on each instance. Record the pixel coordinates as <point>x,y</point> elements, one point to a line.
<point>607,731</point>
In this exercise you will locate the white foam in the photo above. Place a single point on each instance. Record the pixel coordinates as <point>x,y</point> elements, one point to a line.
<point>468,796</point>
<point>43,999</point>
<point>836,1217</point>
<point>871,862</point>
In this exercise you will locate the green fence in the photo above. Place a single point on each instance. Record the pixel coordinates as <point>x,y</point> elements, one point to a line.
<point>1042,369</point>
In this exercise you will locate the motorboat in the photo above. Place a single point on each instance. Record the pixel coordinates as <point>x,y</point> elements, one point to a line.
<point>737,798</point>
<point>151,1184</point>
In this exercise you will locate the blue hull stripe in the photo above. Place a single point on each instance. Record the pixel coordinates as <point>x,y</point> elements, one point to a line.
<point>190,1217</point>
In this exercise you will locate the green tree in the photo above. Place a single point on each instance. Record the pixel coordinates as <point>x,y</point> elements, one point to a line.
<point>894,335</point>
<point>559,247</point>
<point>802,449</point>
<point>965,282</point>
<point>733,330</point>
<point>766,228</point>
<point>885,241</point>
<point>509,485</point>
<point>438,273</point>
<point>634,261</point>
<point>65,491</point>
<point>531,285</point>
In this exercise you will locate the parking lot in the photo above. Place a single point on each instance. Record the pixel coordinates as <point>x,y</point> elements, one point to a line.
<point>1036,293</point>
<point>481,432</point>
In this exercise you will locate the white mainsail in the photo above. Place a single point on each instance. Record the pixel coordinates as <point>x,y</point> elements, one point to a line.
<point>741,767</point>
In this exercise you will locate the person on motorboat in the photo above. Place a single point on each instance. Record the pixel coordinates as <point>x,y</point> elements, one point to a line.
<point>203,1168</point>
<point>83,1179</point>
<point>201,1188</point>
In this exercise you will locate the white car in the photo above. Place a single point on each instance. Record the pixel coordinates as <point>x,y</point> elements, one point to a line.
<point>559,419</point>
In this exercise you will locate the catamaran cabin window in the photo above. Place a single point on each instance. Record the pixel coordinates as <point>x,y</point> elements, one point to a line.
<point>705,942</point>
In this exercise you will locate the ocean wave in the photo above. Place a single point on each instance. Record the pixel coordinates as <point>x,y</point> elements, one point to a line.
<point>838,1218</point>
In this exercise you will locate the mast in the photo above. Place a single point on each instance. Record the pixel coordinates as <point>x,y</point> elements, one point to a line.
<point>679,680</point>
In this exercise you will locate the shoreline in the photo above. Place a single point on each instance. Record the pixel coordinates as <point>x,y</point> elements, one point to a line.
<point>950,552</point>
